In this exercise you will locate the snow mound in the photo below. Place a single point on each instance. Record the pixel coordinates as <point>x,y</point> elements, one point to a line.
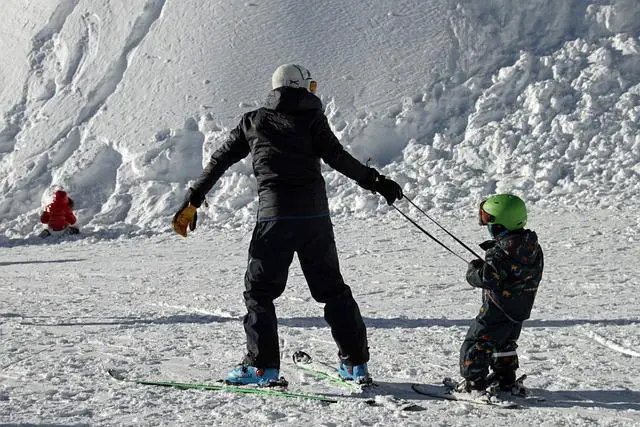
<point>122,104</point>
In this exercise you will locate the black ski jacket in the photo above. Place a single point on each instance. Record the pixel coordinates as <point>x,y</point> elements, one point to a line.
<point>287,137</point>
<point>511,273</point>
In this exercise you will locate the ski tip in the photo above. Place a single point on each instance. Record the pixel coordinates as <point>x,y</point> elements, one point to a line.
<point>394,403</point>
<point>115,374</point>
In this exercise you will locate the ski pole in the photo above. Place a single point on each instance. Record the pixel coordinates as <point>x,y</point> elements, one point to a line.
<point>427,233</point>
<point>444,229</point>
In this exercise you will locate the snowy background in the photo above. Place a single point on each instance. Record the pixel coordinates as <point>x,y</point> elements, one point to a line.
<point>121,103</point>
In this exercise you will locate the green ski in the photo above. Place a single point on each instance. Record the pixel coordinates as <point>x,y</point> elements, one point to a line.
<point>221,387</point>
<point>323,371</point>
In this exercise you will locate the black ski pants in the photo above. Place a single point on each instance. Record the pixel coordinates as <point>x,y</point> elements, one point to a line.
<point>491,342</point>
<point>270,254</point>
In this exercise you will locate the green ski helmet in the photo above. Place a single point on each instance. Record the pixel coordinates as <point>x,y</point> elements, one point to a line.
<point>504,209</point>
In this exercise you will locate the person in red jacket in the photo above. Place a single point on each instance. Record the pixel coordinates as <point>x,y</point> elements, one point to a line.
<point>58,216</point>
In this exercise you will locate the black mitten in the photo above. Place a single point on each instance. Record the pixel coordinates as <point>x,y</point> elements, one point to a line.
<point>474,274</point>
<point>388,188</point>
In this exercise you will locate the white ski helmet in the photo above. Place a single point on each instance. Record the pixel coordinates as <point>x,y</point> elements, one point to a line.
<point>293,75</point>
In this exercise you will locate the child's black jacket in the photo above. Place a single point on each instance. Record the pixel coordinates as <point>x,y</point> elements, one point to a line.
<point>511,273</point>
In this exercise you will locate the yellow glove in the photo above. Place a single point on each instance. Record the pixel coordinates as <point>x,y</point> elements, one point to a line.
<point>187,216</point>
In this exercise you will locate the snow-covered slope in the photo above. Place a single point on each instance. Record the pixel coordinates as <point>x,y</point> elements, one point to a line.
<point>158,308</point>
<point>121,102</point>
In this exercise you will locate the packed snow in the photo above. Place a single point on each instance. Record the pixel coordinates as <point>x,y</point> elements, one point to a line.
<point>122,102</point>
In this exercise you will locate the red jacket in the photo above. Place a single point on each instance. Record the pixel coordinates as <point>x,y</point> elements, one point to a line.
<point>58,214</point>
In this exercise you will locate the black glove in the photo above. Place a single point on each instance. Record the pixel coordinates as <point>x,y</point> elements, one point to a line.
<point>70,202</point>
<point>474,275</point>
<point>388,188</point>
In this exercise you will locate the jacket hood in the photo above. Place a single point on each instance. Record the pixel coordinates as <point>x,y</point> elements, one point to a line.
<point>292,100</point>
<point>521,245</point>
<point>60,196</point>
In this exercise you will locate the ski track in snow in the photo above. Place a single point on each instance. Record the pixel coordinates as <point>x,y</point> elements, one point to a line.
<point>41,45</point>
<point>116,70</point>
<point>611,344</point>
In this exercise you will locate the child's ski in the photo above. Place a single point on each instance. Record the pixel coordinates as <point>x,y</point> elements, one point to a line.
<point>446,390</point>
<point>518,391</point>
<point>222,387</point>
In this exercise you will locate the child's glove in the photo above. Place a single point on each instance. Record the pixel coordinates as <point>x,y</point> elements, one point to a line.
<point>487,244</point>
<point>474,271</point>
<point>187,216</point>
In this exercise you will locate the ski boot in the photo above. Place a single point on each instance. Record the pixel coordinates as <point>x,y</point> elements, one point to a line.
<point>250,375</point>
<point>359,374</point>
<point>477,389</point>
<point>507,383</point>
<point>466,386</point>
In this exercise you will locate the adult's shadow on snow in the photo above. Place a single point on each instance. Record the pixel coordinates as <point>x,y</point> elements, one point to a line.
<point>319,322</point>
<point>402,322</point>
<point>132,321</point>
<point>41,261</point>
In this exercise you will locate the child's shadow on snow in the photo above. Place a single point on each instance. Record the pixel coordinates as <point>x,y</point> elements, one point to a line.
<point>608,399</point>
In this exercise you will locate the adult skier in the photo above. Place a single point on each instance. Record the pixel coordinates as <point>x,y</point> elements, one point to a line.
<point>287,138</point>
<point>510,275</point>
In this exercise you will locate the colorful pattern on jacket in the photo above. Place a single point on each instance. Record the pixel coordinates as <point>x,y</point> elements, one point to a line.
<point>511,273</point>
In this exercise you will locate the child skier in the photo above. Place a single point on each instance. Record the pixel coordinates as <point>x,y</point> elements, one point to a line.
<point>510,275</point>
<point>287,138</point>
<point>58,216</point>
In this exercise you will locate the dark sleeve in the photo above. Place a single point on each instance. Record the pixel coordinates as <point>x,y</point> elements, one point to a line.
<point>234,149</point>
<point>492,273</point>
<point>327,146</point>
<point>44,218</point>
<point>487,244</point>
